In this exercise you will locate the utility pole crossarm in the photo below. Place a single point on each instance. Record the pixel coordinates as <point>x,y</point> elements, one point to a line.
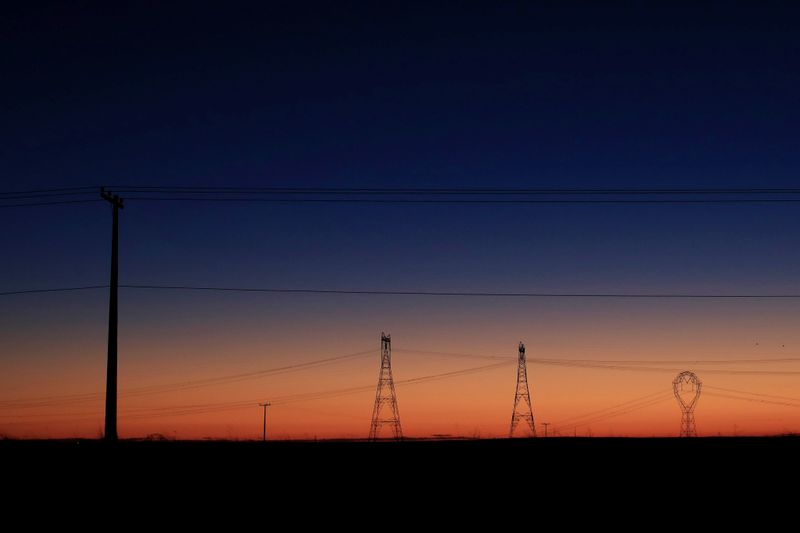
<point>113,199</point>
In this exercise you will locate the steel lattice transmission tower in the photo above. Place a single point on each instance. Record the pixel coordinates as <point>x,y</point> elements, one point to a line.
<point>385,410</point>
<point>687,382</point>
<point>523,409</point>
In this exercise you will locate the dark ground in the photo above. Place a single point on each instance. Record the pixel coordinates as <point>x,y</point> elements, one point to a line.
<point>636,481</point>
<point>547,456</point>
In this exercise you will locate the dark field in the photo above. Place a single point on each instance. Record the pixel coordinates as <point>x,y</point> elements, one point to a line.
<point>320,482</point>
<point>486,457</point>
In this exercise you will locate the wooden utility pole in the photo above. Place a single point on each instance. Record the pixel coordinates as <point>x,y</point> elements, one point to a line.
<point>111,367</point>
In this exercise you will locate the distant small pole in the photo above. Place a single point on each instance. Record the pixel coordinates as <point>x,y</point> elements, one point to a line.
<point>111,366</point>
<point>545,424</point>
<point>265,405</point>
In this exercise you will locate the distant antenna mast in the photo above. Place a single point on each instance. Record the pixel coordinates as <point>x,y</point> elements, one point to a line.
<point>523,409</point>
<point>385,411</point>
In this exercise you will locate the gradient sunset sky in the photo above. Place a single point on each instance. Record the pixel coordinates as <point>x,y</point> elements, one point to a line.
<point>327,95</point>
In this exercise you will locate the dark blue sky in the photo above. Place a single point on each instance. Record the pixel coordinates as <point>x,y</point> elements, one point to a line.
<point>353,96</point>
<point>170,93</point>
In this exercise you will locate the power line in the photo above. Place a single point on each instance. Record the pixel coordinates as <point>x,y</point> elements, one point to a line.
<point>60,202</point>
<point>470,201</point>
<point>411,292</point>
<point>49,401</point>
<point>616,410</point>
<point>457,354</point>
<point>257,193</point>
<point>44,195</point>
<point>626,404</point>
<point>423,191</point>
<point>590,418</point>
<point>754,400</point>
<point>485,195</point>
<point>478,195</point>
<point>308,396</point>
<point>178,386</point>
<point>320,395</point>
<point>235,378</point>
<point>453,190</point>
<point>611,361</point>
<point>57,289</point>
<point>403,382</point>
<point>636,368</point>
<point>690,361</point>
<point>614,414</point>
<point>503,360</point>
<point>87,189</point>
<point>613,365</point>
<point>453,293</point>
<point>735,391</point>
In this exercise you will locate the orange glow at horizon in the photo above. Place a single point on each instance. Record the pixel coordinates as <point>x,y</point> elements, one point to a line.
<point>470,405</point>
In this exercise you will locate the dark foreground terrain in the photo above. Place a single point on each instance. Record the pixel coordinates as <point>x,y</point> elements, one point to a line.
<point>523,474</point>
<point>545,455</point>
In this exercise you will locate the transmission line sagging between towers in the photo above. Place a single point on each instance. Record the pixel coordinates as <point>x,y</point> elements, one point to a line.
<point>149,390</point>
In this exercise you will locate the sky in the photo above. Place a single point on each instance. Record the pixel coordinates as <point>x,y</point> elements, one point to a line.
<point>397,96</point>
